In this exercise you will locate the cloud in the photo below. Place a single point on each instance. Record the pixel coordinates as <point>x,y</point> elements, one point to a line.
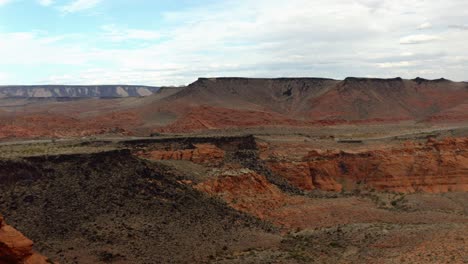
<point>262,38</point>
<point>425,25</point>
<point>45,2</point>
<point>418,39</point>
<point>461,27</point>
<point>116,34</point>
<point>80,5</point>
<point>4,2</point>
<point>399,64</point>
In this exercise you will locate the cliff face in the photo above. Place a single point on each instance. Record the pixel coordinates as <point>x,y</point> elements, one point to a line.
<point>207,154</point>
<point>57,91</point>
<point>16,248</point>
<point>432,167</point>
<point>246,191</point>
<point>437,166</point>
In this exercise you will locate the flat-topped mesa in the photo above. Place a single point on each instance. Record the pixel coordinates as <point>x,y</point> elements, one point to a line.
<point>420,80</point>
<point>76,91</point>
<point>16,248</point>
<point>261,83</point>
<point>203,79</point>
<point>348,80</point>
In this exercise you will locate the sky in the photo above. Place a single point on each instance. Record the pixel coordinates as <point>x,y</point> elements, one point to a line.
<point>173,42</point>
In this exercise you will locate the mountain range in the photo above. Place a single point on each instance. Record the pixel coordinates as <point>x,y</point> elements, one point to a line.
<point>229,103</point>
<point>75,91</point>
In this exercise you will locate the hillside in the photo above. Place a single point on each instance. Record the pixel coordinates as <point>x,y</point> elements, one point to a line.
<point>225,102</point>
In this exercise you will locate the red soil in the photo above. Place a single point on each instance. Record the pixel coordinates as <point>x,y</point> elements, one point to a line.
<point>209,117</point>
<point>58,126</point>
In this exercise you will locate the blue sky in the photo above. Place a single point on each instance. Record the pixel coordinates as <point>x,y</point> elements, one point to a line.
<point>163,42</point>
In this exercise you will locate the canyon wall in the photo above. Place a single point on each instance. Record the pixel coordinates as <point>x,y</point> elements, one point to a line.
<point>207,154</point>
<point>434,167</point>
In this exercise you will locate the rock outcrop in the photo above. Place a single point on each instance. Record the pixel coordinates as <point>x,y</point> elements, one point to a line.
<point>16,248</point>
<point>246,191</point>
<point>206,154</point>
<point>297,173</point>
<point>435,167</point>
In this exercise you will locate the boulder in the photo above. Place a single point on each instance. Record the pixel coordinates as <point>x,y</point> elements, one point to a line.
<point>16,248</point>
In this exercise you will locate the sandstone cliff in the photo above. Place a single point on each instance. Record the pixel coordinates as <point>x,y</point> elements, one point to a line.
<point>207,154</point>
<point>16,248</point>
<point>435,167</point>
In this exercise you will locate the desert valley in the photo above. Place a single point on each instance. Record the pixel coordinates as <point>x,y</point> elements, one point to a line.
<point>236,170</point>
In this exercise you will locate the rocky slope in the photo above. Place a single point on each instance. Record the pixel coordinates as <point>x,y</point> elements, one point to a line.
<point>16,248</point>
<point>77,91</point>
<point>119,208</point>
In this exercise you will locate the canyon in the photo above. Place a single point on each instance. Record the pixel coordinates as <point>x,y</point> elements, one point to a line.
<point>238,170</point>
<point>229,201</point>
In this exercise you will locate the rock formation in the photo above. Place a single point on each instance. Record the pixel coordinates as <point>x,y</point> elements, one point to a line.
<point>207,154</point>
<point>16,248</point>
<point>435,167</point>
<point>246,191</point>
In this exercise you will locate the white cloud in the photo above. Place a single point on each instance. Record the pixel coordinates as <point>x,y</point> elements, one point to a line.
<point>263,38</point>
<point>425,25</point>
<point>399,64</point>
<point>418,39</point>
<point>80,5</point>
<point>114,33</point>
<point>45,2</point>
<point>461,27</point>
<point>4,2</point>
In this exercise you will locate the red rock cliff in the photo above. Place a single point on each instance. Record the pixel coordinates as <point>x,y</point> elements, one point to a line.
<point>16,248</point>
<point>437,166</point>
<point>207,154</point>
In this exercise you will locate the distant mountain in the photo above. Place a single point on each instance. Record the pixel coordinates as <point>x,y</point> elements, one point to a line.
<point>225,103</point>
<point>212,103</point>
<point>76,91</point>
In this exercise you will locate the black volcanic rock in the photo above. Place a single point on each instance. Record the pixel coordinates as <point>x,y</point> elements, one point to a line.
<point>376,80</point>
<point>80,208</point>
<point>420,80</point>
